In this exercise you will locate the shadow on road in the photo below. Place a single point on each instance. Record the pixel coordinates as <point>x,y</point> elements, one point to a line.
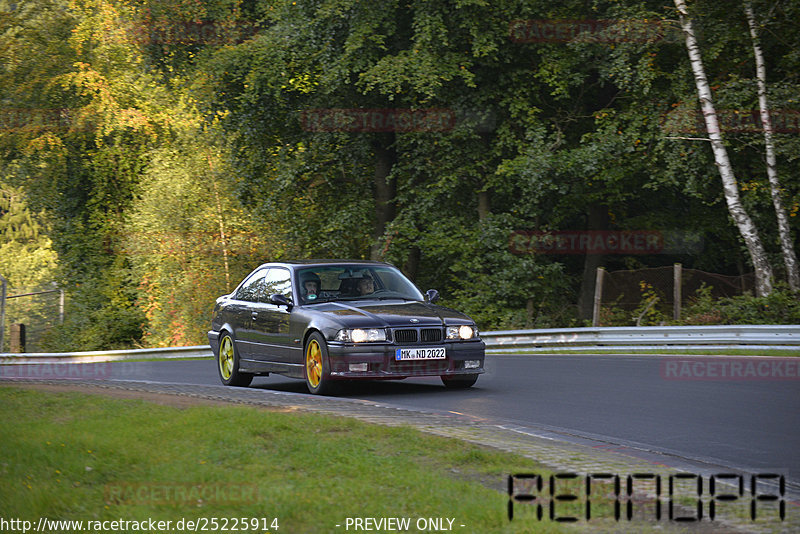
<point>357,389</point>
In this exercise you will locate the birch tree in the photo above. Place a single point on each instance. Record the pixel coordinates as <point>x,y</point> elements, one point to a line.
<point>787,248</point>
<point>730,188</point>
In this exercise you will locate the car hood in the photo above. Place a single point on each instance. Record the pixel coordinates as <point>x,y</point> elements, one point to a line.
<point>391,313</point>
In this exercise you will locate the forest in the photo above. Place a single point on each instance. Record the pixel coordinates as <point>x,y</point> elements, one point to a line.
<point>153,152</point>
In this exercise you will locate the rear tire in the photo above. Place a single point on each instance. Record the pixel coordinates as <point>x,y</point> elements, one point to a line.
<point>459,381</point>
<point>228,364</point>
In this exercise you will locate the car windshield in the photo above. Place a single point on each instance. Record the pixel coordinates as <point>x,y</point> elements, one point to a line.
<point>354,282</point>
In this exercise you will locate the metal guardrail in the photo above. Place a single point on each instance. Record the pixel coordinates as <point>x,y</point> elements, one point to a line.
<point>786,337</point>
<point>645,338</point>
<point>166,353</point>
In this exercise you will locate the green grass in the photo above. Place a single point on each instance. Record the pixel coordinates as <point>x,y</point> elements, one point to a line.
<point>84,457</point>
<point>73,456</point>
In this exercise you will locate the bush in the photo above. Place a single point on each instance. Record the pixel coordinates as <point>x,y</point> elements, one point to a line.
<point>782,306</point>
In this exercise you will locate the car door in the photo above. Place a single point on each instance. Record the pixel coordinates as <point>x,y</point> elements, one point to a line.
<point>245,302</point>
<point>271,322</point>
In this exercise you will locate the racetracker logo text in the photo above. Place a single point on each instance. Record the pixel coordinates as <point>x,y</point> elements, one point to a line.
<point>59,371</point>
<point>586,242</point>
<point>143,493</point>
<point>33,120</point>
<point>730,369</point>
<point>377,120</point>
<point>591,31</point>
<point>691,121</point>
<point>206,32</point>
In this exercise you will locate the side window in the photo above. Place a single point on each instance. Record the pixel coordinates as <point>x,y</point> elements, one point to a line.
<point>251,289</point>
<point>277,281</point>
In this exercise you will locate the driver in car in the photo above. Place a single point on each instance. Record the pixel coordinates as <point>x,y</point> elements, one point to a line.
<point>309,287</point>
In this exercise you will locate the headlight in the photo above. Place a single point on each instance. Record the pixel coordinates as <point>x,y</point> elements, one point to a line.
<point>360,335</point>
<point>461,332</point>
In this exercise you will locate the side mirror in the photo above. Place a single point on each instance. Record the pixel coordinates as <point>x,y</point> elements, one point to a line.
<point>280,300</point>
<point>432,295</point>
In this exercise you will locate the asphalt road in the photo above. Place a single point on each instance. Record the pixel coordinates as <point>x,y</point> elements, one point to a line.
<point>626,401</point>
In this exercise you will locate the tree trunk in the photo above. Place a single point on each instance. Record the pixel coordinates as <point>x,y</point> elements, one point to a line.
<point>385,191</point>
<point>221,221</point>
<point>787,247</point>
<point>411,267</point>
<point>745,224</point>
<point>483,205</point>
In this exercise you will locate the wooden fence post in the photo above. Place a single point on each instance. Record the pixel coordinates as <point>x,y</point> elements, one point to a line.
<point>17,338</point>
<point>598,296</point>
<point>677,275</point>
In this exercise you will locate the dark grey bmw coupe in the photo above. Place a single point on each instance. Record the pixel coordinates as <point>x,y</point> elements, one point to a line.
<point>327,321</point>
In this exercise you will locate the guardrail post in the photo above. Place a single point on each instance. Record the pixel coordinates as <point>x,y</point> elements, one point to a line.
<point>677,275</point>
<point>598,296</point>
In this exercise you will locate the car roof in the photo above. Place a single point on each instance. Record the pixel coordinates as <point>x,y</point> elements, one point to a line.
<point>311,263</point>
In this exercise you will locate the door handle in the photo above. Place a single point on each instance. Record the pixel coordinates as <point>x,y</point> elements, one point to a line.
<point>254,315</point>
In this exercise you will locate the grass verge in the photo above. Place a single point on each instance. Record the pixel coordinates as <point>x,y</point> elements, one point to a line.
<point>229,468</point>
<point>72,456</point>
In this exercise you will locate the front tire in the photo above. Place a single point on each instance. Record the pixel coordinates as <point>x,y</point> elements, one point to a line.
<point>228,364</point>
<point>317,365</point>
<point>459,381</point>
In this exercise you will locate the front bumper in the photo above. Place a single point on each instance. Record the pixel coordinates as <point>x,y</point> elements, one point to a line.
<point>381,363</point>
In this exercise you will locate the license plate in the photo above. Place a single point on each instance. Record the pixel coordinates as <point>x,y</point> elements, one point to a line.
<point>428,353</point>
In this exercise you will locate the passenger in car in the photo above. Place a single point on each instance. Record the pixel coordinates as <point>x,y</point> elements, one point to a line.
<point>366,286</point>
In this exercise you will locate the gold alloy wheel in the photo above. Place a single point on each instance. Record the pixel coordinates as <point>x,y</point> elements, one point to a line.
<point>226,358</point>
<point>314,363</point>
